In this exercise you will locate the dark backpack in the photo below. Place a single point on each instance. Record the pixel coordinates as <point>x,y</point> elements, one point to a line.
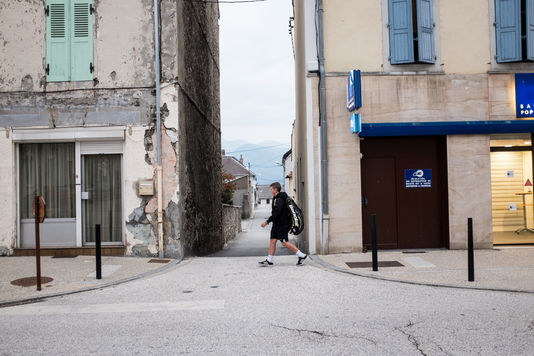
<point>296,217</point>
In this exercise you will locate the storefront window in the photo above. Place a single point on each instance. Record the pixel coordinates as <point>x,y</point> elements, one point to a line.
<point>47,169</point>
<point>511,180</point>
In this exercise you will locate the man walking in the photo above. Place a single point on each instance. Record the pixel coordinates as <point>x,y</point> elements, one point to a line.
<point>281,225</point>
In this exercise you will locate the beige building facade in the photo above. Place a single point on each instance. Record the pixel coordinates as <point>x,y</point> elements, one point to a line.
<point>79,108</point>
<point>438,89</point>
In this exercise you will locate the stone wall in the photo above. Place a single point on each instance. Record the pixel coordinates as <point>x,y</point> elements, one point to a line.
<point>199,127</point>
<point>231,220</point>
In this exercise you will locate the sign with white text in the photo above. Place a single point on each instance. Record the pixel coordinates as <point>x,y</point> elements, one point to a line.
<point>418,178</point>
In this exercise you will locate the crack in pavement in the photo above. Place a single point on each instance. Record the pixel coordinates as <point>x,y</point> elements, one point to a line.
<point>411,337</point>
<point>322,334</point>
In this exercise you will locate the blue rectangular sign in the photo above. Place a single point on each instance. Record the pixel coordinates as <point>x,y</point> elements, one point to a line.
<point>354,90</point>
<point>524,95</point>
<point>355,123</point>
<point>418,178</point>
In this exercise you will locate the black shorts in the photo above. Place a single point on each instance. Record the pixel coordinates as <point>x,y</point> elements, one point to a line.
<point>280,233</point>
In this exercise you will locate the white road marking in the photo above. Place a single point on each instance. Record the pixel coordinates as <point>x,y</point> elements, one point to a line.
<point>418,262</point>
<point>107,270</point>
<point>37,309</point>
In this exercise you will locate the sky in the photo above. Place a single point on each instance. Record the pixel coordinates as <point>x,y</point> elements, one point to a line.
<point>257,71</point>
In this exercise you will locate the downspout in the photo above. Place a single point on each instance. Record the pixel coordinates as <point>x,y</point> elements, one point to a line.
<point>322,123</point>
<point>159,187</point>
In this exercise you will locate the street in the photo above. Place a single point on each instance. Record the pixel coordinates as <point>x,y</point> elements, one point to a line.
<point>230,305</point>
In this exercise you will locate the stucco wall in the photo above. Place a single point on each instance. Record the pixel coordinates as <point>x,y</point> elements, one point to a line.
<point>353,35</point>
<point>344,178</point>
<point>469,176</point>
<point>464,34</point>
<point>8,194</point>
<point>123,46</point>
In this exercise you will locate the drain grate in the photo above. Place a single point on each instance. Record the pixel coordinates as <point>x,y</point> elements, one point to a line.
<point>370,264</point>
<point>30,281</point>
<point>64,256</point>
<point>154,260</point>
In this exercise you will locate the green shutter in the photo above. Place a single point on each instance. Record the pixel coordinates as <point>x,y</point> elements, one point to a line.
<point>57,41</point>
<point>81,40</point>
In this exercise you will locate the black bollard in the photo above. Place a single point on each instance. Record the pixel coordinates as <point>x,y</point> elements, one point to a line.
<point>470,252</point>
<point>373,242</point>
<point>98,252</point>
<point>36,207</point>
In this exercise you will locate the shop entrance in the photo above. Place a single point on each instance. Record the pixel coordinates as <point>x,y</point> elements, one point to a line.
<point>404,182</point>
<point>511,189</point>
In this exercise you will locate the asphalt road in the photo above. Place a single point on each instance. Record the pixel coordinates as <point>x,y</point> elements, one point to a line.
<point>230,305</point>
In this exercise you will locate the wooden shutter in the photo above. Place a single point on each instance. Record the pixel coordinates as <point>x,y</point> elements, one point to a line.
<point>508,30</point>
<point>530,29</point>
<point>57,41</point>
<point>81,40</point>
<point>425,31</point>
<point>400,31</point>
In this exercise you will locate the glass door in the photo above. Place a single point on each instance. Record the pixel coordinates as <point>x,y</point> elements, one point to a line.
<point>102,198</point>
<point>512,193</point>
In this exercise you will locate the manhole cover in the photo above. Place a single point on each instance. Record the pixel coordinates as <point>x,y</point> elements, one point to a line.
<point>158,261</point>
<point>30,281</point>
<point>370,264</point>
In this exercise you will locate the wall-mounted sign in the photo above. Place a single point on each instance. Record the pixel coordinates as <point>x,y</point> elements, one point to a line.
<point>510,174</point>
<point>354,90</point>
<point>524,94</point>
<point>513,207</point>
<point>355,123</point>
<point>418,178</point>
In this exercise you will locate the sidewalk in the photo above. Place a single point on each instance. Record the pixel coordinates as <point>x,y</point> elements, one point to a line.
<point>503,268</point>
<point>71,275</point>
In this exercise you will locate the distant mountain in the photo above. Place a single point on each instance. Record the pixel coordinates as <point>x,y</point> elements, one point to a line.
<point>265,158</point>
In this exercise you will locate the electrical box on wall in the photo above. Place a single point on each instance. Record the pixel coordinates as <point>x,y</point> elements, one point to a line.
<point>146,187</point>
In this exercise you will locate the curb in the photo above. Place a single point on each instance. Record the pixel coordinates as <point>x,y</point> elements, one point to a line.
<point>11,303</point>
<point>327,265</point>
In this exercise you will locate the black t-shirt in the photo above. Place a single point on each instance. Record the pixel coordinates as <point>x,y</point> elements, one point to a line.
<point>279,211</point>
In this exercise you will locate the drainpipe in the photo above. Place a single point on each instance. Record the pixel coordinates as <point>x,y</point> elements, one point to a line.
<point>322,122</point>
<point>158,131</point>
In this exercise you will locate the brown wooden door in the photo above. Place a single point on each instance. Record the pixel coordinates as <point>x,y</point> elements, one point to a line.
<point>418,216</point>
<point>380,198</point>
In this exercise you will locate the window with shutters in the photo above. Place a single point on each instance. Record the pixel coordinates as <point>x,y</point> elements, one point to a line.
<point>69,40</point>
<point>411,31</point>
<point>514,30</point>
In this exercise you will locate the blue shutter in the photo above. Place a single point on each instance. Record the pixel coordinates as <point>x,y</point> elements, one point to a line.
<point>400,31</point>
<point>57,41</point>
<point>508,30</point>
<point>425,31</point>
<point>81,40</point>
<point>530,30</point>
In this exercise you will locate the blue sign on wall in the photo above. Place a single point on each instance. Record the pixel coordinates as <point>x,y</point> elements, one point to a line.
<point>354,90</point>
<point>355,123</point>
<point>418,178</point>
<point>524,94</point>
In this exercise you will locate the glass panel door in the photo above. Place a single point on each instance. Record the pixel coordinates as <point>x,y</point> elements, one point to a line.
<point>102,197</point>
<point>512,193</point>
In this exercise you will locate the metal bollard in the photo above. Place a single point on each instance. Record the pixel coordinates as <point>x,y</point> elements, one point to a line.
<point>36,207</point>
<point>470,252</point>
<point>98,252</point>
<point>373,242</point>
